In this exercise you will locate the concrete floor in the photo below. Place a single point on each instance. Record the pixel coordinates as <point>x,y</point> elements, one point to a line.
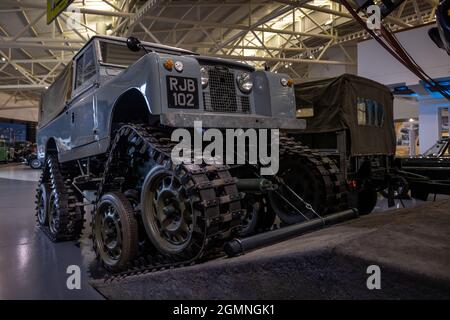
<point>32,267</point>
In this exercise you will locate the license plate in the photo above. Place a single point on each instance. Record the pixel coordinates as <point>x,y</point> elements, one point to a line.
<point>182,93</point>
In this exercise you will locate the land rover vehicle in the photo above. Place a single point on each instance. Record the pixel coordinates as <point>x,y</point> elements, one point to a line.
<point>350,118</point>
<point>105,126</point>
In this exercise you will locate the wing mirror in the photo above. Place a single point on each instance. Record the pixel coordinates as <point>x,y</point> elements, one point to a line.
<point>134,44</point>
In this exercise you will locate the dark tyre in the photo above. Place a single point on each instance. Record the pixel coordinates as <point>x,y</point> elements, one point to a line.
<point>36,164</point>
<point>54,215</point>
<point>115,231</point>
<point>168,215</point>
<point>367,199</point>
<point>267,216</point>
<point>258,217</point>
<point>303,178</point>
<point>43,194</point>
<point>252,216</point>
<point>65,216</point>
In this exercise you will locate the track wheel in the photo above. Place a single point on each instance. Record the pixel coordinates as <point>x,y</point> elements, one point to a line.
<point>43,194</point>
<point>367,199</point>
<point>168,215</point>
<point>115,231</point>
<point>36,164</point>
<point>304,179</point>
<point>251,218</point>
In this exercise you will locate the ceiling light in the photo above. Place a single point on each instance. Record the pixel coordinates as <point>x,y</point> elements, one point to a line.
<point>3,59</point>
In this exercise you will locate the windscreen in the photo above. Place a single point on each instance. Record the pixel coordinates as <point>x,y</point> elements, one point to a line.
<point>119,54</point>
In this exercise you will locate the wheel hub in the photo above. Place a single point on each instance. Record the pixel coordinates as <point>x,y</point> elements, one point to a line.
<point>42,214</point>
<point>53,215</point>
<point>167,212</point>
<point>110,233</point>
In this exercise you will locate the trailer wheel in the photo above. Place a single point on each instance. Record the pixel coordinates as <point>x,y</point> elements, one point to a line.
<point>115,231</point>
<point>367,199</point>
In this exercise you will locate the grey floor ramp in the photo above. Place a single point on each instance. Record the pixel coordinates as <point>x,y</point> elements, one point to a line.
<point>411,247</point>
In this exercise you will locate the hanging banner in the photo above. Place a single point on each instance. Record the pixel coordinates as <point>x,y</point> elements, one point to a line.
<point>55,7</point>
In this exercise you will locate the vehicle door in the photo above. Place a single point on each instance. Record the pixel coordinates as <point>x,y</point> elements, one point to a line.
<point>82,106</point>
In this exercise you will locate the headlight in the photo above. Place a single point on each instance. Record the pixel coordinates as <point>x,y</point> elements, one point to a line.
<point>245,82</point>
<point>205,77</point>
<point>179,66</point>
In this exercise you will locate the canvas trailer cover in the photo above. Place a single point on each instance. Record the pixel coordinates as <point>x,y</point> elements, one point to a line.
<point>344,103</point>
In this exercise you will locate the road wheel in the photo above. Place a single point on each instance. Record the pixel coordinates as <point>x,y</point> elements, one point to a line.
<point>367,199</point>
<point>43,194</point>
<point>252,216</point>
<point>303,178</point>
<point>115,231</point>
<point>168,214</point>
<point>35,164</point>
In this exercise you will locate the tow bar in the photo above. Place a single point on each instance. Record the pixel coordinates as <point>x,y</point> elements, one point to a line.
<point>237,247</point>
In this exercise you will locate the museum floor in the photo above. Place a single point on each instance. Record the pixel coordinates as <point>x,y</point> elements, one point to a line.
<point>31,267</point>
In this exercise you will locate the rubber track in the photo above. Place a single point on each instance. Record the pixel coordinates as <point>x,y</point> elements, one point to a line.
<point>213,190</point>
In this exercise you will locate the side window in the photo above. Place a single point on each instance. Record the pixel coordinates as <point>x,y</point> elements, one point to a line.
<point>369,112</point>
<point>85,68</point>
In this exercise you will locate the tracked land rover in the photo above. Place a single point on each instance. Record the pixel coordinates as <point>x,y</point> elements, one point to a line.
<point>105,129</point>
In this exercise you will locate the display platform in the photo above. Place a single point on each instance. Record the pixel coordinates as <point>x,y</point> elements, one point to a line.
<point>410,246</point>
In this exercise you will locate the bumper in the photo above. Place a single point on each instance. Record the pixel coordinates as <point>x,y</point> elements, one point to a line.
<point>225,120</point>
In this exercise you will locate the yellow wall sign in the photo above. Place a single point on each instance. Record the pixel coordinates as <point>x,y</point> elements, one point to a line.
<point>55,7</point>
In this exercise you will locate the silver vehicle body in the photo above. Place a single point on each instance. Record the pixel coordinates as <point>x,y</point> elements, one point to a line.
<point>83,128</point>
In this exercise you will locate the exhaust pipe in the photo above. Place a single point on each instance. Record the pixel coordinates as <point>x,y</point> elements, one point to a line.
<point>240,246</point>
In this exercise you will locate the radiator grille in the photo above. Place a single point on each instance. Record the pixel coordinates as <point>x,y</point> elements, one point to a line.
<point>222,95</point>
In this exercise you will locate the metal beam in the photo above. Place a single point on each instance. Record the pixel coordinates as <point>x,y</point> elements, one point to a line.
<point>44,39</point>
<point>238,27</point>
<point>241,47</point>
<point>25,61</point>
<point>293,60</point>
<point>23,87</point>
<point>19,45</point>
<point>28,26</point>
<point>19,107</point>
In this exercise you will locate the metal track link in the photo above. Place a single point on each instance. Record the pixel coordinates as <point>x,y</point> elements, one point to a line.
<point>212,189</point>
<point>334,181</point>
<point>71,215</point>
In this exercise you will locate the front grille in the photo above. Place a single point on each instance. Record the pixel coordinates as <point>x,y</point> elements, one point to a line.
<point>222,95</point>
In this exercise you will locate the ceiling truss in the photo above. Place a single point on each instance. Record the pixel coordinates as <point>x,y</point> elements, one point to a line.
<point>287,35</point>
